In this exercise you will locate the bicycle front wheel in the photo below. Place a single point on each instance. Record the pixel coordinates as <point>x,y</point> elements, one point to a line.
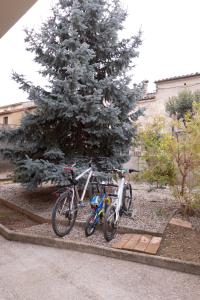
<point>90,225</point>
<point>110,225</point>
<point>64,213</point>
<point>127,198</point>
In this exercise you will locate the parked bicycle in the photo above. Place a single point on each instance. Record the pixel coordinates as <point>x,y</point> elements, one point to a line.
<point>121,204</point>
<point>65,210</point>
<point>99,205</point>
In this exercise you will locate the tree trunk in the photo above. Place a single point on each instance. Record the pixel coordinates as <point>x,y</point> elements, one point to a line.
<point>183,184</point>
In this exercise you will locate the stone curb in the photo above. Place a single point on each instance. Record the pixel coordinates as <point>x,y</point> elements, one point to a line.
<point>157,261</point>
<point>5,181</point>
<point>10,179</point>
<point>41,220</point>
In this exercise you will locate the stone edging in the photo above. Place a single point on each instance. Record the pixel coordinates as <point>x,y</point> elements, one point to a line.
<point>6,180</point>
<point>157,261</point>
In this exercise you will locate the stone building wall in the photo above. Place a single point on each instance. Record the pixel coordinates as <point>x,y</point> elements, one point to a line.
<point>154,103</point>
<point>11,115</point>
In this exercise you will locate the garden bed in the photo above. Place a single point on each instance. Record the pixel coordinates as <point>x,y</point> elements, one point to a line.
<point>14,220</point>
<point>180,243</point>
<point>152,212</point>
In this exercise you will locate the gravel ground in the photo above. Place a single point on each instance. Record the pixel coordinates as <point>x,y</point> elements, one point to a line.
<point>151,210</point>
<point>77,234</point>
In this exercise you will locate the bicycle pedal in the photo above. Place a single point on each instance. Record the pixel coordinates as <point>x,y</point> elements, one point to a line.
<point>129,214</point>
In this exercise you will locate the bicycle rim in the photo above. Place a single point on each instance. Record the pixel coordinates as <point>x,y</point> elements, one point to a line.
<point>64,213</point>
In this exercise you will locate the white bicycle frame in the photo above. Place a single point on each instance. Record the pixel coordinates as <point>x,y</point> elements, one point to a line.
<point>89,170</point>
<point>118,200</point>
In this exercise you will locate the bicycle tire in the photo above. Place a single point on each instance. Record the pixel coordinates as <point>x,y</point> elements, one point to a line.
<point>127,197</point>
<point>90,225</point>
<point>64,213</point>
<point>109,226</point>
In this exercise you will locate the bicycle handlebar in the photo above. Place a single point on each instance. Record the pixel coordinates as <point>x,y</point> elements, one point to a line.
<point>109,184</point>
<point>120,171</point>
<point>123,171</point>
<point>133,170</point>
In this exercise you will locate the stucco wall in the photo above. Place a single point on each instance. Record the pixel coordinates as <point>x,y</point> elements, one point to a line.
<point>156,106</point>
<point>13,118</point>
<point>15,113</point>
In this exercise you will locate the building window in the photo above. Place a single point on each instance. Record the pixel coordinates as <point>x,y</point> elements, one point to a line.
<point>5,120</point>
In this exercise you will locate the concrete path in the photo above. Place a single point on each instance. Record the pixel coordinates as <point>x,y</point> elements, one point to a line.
<point>30,272</point>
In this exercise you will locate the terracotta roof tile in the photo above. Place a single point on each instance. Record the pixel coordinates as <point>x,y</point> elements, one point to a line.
<point>148,96</point>
<point>178,77</point>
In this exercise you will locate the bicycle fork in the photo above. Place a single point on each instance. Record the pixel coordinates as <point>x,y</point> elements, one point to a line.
<point>118,202</point>
<point>120,196</point>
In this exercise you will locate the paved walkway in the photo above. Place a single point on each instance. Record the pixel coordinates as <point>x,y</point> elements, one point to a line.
<point>30,272</point>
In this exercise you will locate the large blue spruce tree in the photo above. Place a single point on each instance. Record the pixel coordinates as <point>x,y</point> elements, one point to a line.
<point>86,108</point>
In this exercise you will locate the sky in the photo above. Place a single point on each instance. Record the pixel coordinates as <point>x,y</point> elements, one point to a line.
<point>171,43</point>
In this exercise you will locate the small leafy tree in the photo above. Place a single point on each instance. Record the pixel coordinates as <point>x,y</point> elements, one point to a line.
<point>178,106</point>
<point>86,108</point>
<point>155,144</point>
<point>186,154</point>
<point>175,159</point>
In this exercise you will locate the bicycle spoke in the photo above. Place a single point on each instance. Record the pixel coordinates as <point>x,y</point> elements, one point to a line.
<point>110,223</point>
<point>64,213</point>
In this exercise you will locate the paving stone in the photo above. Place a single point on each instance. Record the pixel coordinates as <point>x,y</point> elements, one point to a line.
<point>180,222</point>
<point>143,243</point>
<point>125,238</point>
<point>133,241</point>
<point>154,244</point>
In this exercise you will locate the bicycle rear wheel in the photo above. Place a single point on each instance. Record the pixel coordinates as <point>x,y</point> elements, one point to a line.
<point>64,213</point>
<point>110,226</point>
